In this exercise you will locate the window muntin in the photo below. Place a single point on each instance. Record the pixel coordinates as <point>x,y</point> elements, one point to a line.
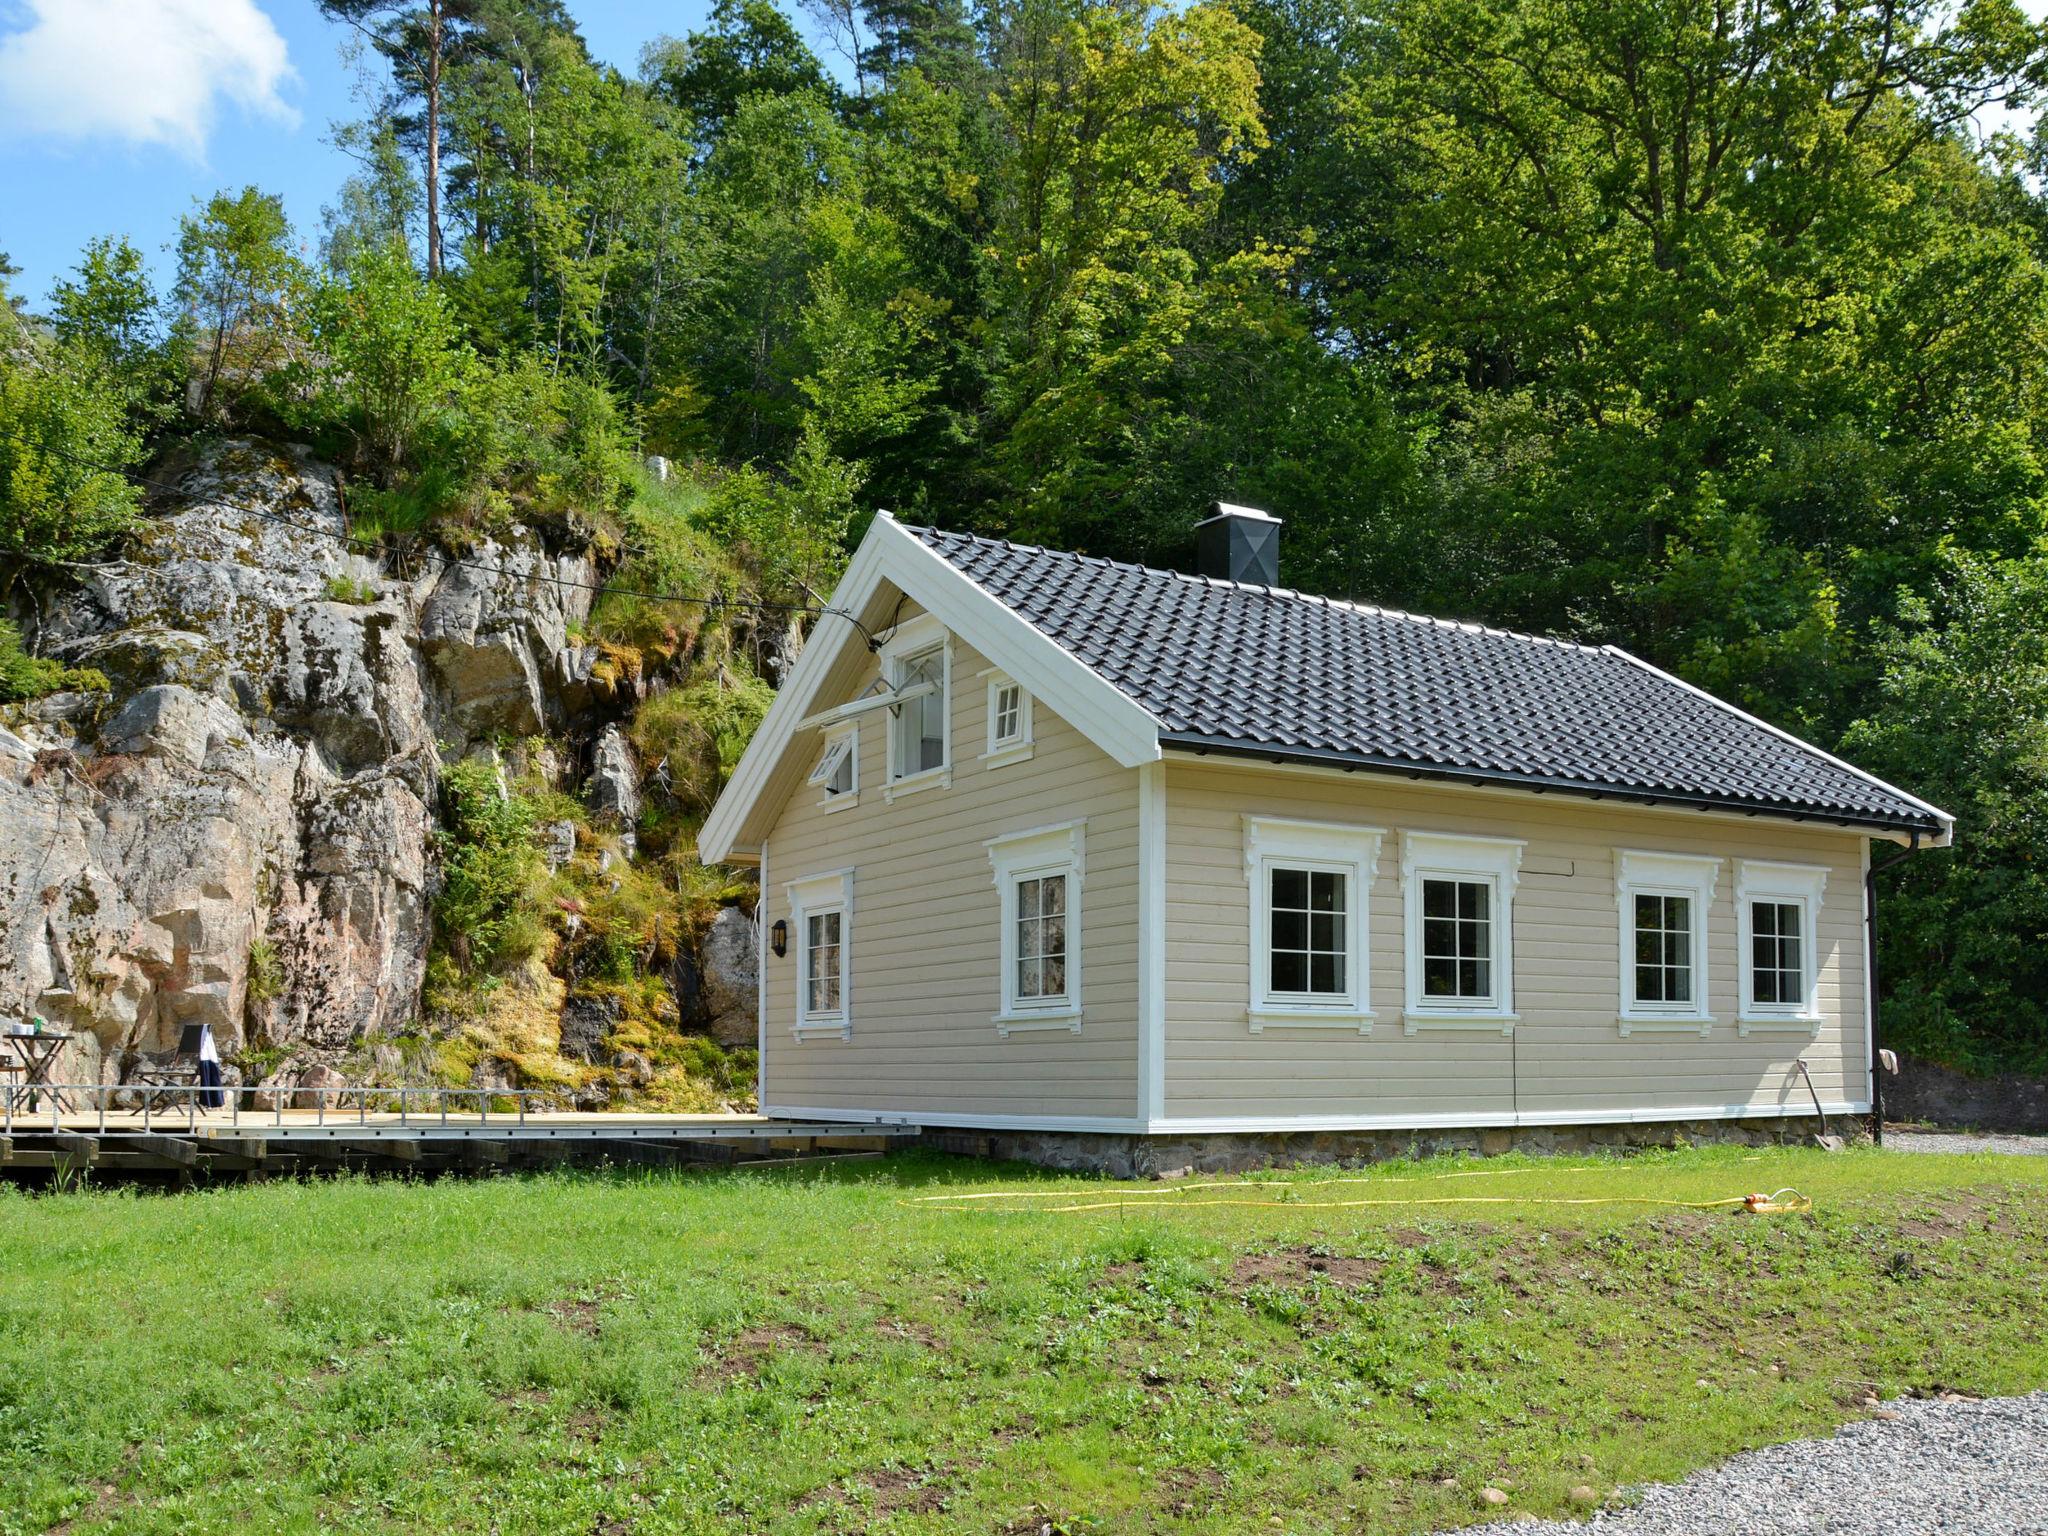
<point>1778,910</point>
<point>1042,939</point>
<point>1309,935</point>
<point>1038,877</point>
<point>1309,886</point>
<point>1458,900</point>
<point>1008,726</point>
<point>1457,939</point>
<point>1666,903</point>
<point>919,729</point>
<point>1777,951</point>
<point>1663,957</point>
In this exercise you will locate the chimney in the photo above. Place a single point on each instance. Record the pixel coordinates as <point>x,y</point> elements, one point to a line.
<point>1238,544</point>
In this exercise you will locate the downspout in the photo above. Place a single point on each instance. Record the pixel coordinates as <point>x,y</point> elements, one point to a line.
<point>1870,973</point>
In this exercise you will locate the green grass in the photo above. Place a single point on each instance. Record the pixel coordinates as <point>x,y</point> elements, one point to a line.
<point>808,1351</point>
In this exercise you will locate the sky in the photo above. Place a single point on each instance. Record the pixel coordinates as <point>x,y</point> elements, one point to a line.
<point>116,114</point>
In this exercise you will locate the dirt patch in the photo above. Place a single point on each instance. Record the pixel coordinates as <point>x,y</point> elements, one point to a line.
<point>1128,1272</point>
<point>892,1490</point>
<point>579,1317</point>
<point>586,1426</point>
<point>1189,1490</point>
<point>915,1333</point>
<point>744,1358</point>
<point>1291,1268</point>
<point>107,1497</point>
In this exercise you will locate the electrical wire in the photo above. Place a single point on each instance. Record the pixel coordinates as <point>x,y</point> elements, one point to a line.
<point>562,583</point>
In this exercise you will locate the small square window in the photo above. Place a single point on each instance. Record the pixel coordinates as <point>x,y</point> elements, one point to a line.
<point>838,766</point>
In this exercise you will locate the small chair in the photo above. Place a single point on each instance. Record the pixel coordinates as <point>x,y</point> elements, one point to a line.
<point>181,1068</point>
<point>12,1073</point>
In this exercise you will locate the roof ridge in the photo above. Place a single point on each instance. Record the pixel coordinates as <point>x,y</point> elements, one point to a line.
<point>1289,594</point>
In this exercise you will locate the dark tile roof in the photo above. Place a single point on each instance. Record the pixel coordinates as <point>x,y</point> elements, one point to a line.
<point>1274,674</point>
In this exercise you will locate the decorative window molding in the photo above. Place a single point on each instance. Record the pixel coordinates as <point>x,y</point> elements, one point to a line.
<point>918,653</point>
<point>1664,902</point>
<point>1311,891</point>
<point>1458,901</point>
<point>1039,875</point>
<point>1009,721</point>
<point>1777,915</point>
<point>838,770</point>
<point>821,915</point>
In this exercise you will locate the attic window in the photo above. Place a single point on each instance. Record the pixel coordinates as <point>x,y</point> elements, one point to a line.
<point>1009,721</point>
<point>838,770</point>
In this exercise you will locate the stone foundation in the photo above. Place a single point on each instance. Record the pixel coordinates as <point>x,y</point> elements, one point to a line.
<point>1157,1157</point>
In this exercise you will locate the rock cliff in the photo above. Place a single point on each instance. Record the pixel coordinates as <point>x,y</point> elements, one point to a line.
<point>240,832</point>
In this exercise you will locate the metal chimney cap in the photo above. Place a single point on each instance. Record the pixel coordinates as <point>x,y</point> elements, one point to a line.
<point>1224,509</point>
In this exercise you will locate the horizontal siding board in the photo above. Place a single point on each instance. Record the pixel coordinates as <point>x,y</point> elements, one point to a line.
<point>925,938</point>
<point>1567,1053</point>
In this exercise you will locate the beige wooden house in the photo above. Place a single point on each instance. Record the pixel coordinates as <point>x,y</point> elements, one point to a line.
<point>1053,844</point>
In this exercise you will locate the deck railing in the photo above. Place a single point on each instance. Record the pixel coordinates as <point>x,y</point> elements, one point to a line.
<point>61,1107</point>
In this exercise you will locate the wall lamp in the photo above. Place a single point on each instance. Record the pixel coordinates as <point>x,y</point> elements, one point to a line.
<point>778,938</point>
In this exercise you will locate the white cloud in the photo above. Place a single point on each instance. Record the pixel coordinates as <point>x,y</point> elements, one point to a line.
<point>143,71</point>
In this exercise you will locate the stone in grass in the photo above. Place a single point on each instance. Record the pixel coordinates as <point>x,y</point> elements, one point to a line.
<point>1492,1496</point>
<point>1584,1495</point>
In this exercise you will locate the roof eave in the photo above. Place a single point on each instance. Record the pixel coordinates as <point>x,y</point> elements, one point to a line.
<point>1936,831</point>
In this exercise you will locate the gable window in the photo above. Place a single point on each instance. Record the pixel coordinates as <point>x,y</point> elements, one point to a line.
<point>821,911</point>
<point>1778,910</point>
<point>838,770</point>
<point>1038,878</point>
<point>917,663</point>
<point>1310,886</point>
<point>1458,894</point>
<point>1664,900</point>
<point>1009,721</point>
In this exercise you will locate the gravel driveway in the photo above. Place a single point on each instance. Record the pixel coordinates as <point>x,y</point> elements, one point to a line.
<point>1962,1141</point>
<point>1943,1469</point>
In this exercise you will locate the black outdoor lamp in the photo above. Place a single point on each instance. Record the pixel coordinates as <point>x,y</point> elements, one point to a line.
<point>778,938</point>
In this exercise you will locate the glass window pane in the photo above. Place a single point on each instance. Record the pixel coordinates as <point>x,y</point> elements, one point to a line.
<point>1439,976</point>
<point>1439,898</point>
<point>1055,893</point>
<point>1290,971</point>
<point>1030,975</point>
<point>1290,889</point>
<point>1323,932</point>
<point>1053,938</point>
<point>1027,898</point>
<point>1472,899</point>
<point>1326,891</point>
<point>1326,974</point>
<point>1290,930</point>
<point>1439,936</point>
<point>1056,976</point>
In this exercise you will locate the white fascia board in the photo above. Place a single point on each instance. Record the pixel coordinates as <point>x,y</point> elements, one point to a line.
<point>1101,711</point>
<point>1197,1125</point>
<point>1942,839</point>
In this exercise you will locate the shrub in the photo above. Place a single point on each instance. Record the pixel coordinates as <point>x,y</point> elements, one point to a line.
<point>266,973</point>
<point>350,589</point>
<point>691,737</point>
<point>23,676</point>
<point>487,914</point>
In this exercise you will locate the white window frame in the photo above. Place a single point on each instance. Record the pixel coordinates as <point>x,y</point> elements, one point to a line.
<point>1019,856</point>
<point>1275,842</point>
<point>1800,885</point>
<point>999,752</point>
<point>912,638</point>
<point>842,741</point>
<point>814,897</point>
<point>1495,861</point>
<point>1638,872</point>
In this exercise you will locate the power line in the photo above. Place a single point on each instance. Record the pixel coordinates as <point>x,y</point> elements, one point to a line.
<point>752,605</point>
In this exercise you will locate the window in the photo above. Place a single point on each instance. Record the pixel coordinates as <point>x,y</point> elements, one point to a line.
<point>838,770</point>
<point>821,913</point>
<point>1664,900</point>
<point>917,662</point>
<point>1310,885</point>
<point>1458,894</point>
<point>1038,878</point>
<point>1009,721</point>
<point>1778,907</point>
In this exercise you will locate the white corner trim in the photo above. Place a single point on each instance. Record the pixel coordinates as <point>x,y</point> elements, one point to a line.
<point>1152,823</point>
<point>761,959</point>
<point>1413,1023</point>
<point>1190,1125</point>
<point>891,555</point>
<point>912,1119</point>
<point>1640,1026</point>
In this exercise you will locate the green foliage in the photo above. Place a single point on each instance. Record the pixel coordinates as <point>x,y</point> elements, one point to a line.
<point>791,530</point>
<point>112,315</point>
<point>239,287</point>
<point>1962,715</point>
<point>23,676</point>
<point>695,734</point>
<point>266,971</point>
<point>350,589</point>
<point>65,441</point>
<point>485,915</point>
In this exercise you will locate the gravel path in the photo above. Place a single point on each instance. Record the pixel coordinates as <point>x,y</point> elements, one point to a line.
<point>1932,1469</point>
<point>1962,1141</point>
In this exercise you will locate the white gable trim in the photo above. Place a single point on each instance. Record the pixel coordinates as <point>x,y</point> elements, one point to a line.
<point>1102,712</point>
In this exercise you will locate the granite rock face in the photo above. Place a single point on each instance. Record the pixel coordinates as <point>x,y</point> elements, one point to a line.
<point>261,777</point>
<point>729,978</point>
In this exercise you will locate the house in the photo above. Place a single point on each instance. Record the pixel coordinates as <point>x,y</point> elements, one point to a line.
<point>1098,859</point>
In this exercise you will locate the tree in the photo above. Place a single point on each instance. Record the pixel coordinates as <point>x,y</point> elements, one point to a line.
<point>378,204</point>
<point>751,49</point>
<point>111,312</point>
<point>239,285</point>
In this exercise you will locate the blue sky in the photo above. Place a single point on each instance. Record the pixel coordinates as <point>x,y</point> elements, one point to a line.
<point>116,114</point>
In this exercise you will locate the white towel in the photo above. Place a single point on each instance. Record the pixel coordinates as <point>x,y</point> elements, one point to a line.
<point>207,1050</point>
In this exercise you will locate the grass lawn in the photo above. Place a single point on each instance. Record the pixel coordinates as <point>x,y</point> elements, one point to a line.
<point>810,1351</point>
